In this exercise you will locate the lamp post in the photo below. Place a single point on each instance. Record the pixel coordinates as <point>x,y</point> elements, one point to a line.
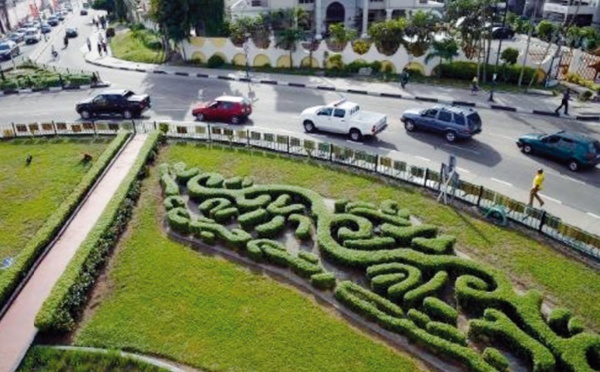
<point>246,50</point>
<point>314,44</point>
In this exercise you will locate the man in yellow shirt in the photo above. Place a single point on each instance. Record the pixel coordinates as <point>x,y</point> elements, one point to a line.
<point>538,180</point>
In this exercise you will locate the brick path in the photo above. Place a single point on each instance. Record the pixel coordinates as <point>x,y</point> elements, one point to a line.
<point>17,330</point>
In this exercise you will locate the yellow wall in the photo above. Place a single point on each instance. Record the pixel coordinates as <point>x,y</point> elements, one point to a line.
<point>261,60</point>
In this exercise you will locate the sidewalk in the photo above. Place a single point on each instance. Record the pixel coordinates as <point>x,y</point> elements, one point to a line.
<point>17,329</point>
<point>535,104</point>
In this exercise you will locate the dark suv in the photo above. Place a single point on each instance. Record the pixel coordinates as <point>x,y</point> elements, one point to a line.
<point>575,149</point>
<point>452,121</point>
<point>114,102</point>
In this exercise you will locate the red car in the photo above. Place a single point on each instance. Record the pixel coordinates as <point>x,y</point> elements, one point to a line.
<point>225,109</point>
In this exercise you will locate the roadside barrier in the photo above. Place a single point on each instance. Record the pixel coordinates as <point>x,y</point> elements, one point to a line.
<point>471,194</point>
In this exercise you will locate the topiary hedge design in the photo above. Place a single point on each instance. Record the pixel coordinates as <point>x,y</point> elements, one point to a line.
<point>416,285</point>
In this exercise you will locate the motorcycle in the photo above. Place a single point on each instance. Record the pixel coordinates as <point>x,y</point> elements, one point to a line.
<point>54,53</point>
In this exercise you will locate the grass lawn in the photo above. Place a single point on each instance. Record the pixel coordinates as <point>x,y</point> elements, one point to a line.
<point>166,299</point>
<point>31,193</point>
<point>42,359</point>
<point>126,46</point>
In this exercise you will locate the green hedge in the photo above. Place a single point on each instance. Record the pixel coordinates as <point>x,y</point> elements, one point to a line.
<point>323,281</point>
<point>303,224</point>
<point>12,276</point>
<point>440,310</point>
<point>496,359</point>
<point>272,228</point>
<point>465,70</point>
<point>61,309</point>
<point>447,332</point>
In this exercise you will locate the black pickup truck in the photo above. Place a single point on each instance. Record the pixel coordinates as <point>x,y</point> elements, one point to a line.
<point>114,102</point>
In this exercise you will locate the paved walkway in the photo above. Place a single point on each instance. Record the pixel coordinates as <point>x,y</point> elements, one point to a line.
<point>536,104</point>
<point>17,329</point>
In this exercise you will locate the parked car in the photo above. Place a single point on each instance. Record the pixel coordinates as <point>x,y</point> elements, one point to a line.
<point>453,122</point>
<point>27,25</point>
<point>83,12</point>
<point>45,28</point>
<point>17,36</point>
<point>71,32</point>
<point>32,35</point>
<point>344,117</point>
<point>575,149</point>
<point>53,21</point>
<point>60,16</point>
<point>114,102</point>
<point>231,109</point>
<point>502,32</point>
<point>9,49</point>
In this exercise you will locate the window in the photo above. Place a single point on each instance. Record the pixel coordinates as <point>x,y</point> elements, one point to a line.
<point>306,1</point>
<point>431,113</point>
<point>339,113</point>
<point>459,119</point>
<point>553,139</point>
<point>325,111</point>
<point>474,120</point>
<point>445,116</point>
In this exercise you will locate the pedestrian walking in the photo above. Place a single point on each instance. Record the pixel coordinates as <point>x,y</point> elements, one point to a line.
<point>89,44</point>
<point>100,49</point>
<point>95,22</point>
<point>104,47</point>
<point>564,102</point>
<point>538,180</point>
<point>404,78</point>
<point>474,86</point>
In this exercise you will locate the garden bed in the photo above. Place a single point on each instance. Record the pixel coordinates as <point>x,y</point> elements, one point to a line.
<point>29,76</point>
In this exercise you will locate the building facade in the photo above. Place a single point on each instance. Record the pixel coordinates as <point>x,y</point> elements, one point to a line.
<point>355,14</point>
<point>579,12</point>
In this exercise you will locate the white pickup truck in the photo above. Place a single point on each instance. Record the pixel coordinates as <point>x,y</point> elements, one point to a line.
<point>343,117</point>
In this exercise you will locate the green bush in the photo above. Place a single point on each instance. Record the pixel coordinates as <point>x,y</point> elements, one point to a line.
<point>11,277</point>
<point>62,307</point>
<point>419,318</point>
<point>110,32</point>
<point>443,244</point>
<point>138,26</point>
<point>272,228</point>
<point>510,56</point>
<point>440,310</point>
<point>179,220</point>
<point>323,281</point>
<point>435,285</point>
<point>303,228</point>
<point>361,46</point>
<point>465,70</point>
<point>447,332</point>
<point>76,80</point>
<point>250,219</point>
<point>215,61</point>
<point>9,84</point>
<point>496,359</point>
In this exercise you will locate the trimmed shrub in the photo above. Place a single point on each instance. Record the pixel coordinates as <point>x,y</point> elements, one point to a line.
<point>576,325</point>
<point>340,205</point>
<point>233,183</point>
<point>169,186</point>
<point>183,174</point>
<point>366,302</point>
<point>440,310</point>
<point>272,228</point>
<point>381,283</point>
<point>419,318</point>
<point>323,281</point>
<point>11,277</point>
<point>208,237</point>
<point>447,332</point>
<point>405,234</point>
<point>435,285</point>
<point>309,257</point>
<point>361,46</point>
<point>174,202</point>
<point>443,244</point>
<point>77,80</point>
<point>304,224</point>
<point>379,217</point>
<point>559,320</point>
<point>304,268</point>
<point>250,219</point>
<point>62,307</point>
<point>373,244</point>
<point>465,70</point>
<point>215,61</point>
<point>496,359</point>
<point>498,326</point>
<point>282,207</point>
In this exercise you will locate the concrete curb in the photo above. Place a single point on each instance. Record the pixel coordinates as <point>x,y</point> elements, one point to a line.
<point>52,89</point>
<point>352,91</point>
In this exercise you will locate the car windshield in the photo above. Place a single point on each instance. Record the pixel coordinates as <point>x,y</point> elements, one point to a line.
<point>596,146</point>
<point>4,47</point>
<point>474,120</point>
<point>128,94</point>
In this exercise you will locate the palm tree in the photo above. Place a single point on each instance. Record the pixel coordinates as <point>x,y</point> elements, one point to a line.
<point>445,49</point>
<point>421,28</point>
<point>340,35</point>
<point>288,40</point>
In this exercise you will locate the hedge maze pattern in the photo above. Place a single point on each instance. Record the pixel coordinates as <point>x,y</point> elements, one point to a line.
<point>416,285</point>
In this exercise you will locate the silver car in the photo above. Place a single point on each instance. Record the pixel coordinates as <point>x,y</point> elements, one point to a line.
<point>9,49</point>
<point>454,122</point>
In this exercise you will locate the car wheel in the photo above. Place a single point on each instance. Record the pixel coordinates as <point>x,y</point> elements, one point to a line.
<point>355,135</point>
<point>573,165</point>
<point>309,126</point>
<point>200,117</point>
<point>450,136</point>
<point>127,114</point>
<point>409,125</point>
<point>527,149</point>
<point>86,114</point>
<point>235,120</point>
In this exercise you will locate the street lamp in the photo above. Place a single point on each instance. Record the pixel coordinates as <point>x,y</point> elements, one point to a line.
<point>246,49</point>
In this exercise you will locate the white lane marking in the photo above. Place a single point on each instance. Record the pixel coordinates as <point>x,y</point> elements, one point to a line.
<point>502,182</point>
<point>463,170</point>
<point>464,149</point>
<point>569,178</point>
<point>422,158</point>
<point>549,198</point>
<point>593,215</point>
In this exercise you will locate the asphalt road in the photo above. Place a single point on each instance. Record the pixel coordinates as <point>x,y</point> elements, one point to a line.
<point>491,156</point>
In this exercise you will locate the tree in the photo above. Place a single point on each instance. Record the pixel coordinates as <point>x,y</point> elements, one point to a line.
<point>340,35</point>
<point>510,56</point>
<point>446,49</point>
<point>288,40</point>
<point>388,35</point>
<point>114,8</point>
<point>545,30</point>
<point>419,32</point>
